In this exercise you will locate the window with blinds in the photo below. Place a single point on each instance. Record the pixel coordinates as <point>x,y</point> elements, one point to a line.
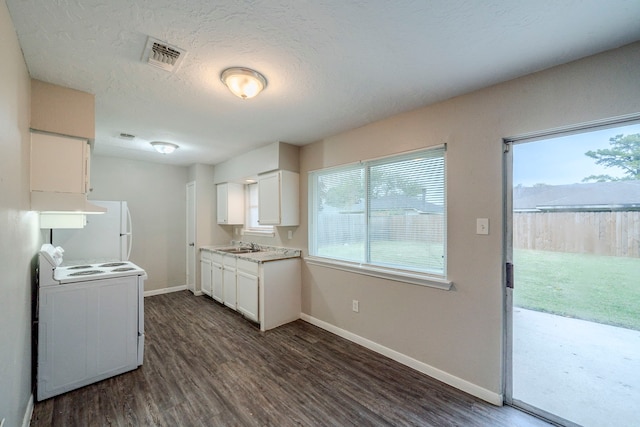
<point>387,213</point>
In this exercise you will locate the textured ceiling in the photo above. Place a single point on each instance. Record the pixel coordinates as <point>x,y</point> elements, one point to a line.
<point>331,65</point>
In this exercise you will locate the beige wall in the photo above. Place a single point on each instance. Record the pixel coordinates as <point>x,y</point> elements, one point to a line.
<point>460,331</point>
<point>20,238</point>
<point>156,195</point>
<point>277,155</point>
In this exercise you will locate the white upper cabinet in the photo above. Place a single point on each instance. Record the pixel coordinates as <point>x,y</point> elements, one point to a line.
<point>59,164</point>
<point>278,198</point>
<point>230,199</point>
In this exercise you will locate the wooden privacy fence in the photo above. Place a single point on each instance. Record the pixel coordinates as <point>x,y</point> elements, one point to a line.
<point>600,233</point>
<point>350,228</point>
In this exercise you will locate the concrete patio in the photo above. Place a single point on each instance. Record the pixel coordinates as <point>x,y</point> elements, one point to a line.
<point>582,371</point>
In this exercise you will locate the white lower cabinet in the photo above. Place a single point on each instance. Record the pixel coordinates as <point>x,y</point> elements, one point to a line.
<point>248,287</point>
<point>280,296</point>
<point>229,281</point>
<point>268,293</point>
<point>205,276</point>
<point>217,283</point>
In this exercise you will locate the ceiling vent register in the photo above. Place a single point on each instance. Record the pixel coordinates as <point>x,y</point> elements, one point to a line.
<point>162,55</point>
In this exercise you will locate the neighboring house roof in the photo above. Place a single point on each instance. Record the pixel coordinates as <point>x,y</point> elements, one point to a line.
<point>617,195</point>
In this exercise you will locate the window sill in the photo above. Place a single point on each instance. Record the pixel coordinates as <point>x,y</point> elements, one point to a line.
<point>261,233</point>
<point>384,273</point>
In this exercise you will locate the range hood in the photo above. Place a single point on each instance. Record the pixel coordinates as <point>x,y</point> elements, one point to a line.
<point>53,202</point>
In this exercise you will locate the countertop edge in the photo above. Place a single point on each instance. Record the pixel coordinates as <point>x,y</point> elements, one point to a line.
<point>257,257</point>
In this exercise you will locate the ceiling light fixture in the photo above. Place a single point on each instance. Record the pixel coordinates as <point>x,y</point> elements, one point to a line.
<point>244,83</point>
<point>164,147</point>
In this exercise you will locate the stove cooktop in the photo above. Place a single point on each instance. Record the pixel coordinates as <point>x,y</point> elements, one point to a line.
<point>86,272</point>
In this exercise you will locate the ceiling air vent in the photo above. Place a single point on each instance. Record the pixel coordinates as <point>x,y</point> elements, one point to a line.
<point>162,55</point>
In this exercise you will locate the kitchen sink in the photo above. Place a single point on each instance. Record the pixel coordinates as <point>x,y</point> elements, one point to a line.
<point>239,250</point>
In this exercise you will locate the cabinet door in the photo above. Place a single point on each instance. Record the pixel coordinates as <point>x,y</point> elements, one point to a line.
<point>59,164</point>
<point>248,295</point>
<point>222,190</point>
<point>269,199</point>
<point>230,203</point>
<point>217,284</point>
<point>229,279</point>
<point>205,277</point>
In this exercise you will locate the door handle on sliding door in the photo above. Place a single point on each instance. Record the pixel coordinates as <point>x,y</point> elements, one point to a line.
<point>509,273</point>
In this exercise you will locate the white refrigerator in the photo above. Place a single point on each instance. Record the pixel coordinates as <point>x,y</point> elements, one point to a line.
<point>106,237</point>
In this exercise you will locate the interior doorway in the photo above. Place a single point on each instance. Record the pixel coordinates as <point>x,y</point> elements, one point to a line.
<point>573,237</point>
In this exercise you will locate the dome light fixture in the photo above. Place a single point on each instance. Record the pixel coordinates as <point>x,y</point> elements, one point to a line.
<point>244,83</point>
<point>164,147</point>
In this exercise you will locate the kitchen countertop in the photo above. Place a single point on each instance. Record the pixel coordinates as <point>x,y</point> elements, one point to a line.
<point>266,253</point>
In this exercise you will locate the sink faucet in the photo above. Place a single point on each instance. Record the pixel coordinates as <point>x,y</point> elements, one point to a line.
<point>252,246</point>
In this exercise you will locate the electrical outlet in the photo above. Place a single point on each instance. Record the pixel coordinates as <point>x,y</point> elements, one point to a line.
<point>290,234</point>
<point>355,305</point>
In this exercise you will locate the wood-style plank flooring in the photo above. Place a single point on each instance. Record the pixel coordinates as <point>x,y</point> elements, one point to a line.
<point>207,366</point>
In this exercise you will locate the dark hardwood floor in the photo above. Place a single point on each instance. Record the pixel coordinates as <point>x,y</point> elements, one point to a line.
<point>206,366</point>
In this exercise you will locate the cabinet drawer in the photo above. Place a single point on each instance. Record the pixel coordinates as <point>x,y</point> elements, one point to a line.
<point>248,266</point>
<point>229,261</point>
<point>217,258</point>
<point>206,255</point>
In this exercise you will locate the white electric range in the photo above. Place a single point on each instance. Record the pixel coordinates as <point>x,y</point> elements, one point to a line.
<point>90,322</point>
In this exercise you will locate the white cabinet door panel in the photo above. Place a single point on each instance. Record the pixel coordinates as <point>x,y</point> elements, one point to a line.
<point>269,199</point>
<point>205,277</point>
<point>247,291</point>
<point>217,284</point>
<point>229,279</point>
<point>59,164</point>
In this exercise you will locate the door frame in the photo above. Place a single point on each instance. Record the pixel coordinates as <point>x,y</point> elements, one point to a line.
<point>507,256</point>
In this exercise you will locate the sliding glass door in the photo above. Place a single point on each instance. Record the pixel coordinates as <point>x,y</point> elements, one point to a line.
<point>573,237</point>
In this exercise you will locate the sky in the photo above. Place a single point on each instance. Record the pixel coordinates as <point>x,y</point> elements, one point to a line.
<point>562,160</point>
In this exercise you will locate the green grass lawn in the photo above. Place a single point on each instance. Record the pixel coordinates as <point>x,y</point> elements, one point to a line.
<point>410,254</point>
<point>603,289</point>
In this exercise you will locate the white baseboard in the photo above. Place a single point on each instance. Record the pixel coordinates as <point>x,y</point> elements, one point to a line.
<point>26,420</point>
<point>459,383</point>
<point>165,290</point>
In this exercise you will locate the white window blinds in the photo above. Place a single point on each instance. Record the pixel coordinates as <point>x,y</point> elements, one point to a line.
<point>389,212</point>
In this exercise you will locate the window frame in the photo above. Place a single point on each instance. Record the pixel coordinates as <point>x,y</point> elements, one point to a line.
<point>405,275</point>
<point>249,229</point>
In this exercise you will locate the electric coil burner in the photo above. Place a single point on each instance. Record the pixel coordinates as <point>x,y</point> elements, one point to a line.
<point>113,264</point>
<point>86,273</point>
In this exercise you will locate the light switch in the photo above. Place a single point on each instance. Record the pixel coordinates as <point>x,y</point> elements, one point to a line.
<point>482,225</point>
